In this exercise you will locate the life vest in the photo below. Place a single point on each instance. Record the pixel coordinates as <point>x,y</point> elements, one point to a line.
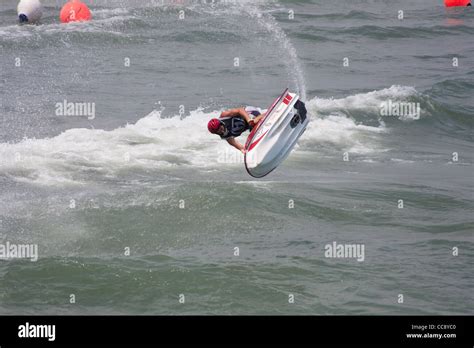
<point>236,125</point>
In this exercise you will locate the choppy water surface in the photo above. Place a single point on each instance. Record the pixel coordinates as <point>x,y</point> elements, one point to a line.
<point>144,174</point>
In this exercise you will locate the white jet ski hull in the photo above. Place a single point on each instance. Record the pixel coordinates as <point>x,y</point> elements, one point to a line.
<point>272,140</point>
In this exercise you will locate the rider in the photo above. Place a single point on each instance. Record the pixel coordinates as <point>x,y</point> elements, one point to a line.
<point>232,123</point>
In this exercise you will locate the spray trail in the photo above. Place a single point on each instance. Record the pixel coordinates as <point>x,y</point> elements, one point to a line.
<point>293,66</point>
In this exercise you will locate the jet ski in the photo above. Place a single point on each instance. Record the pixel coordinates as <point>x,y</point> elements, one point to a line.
<point>272,140</point>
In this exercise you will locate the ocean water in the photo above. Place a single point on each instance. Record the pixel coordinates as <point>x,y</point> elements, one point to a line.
<point>139,204</point>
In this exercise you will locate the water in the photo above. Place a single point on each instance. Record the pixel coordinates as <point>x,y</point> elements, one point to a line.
<point>145,176</point>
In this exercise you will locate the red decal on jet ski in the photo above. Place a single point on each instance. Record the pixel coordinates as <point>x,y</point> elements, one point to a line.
<point>256,142</point>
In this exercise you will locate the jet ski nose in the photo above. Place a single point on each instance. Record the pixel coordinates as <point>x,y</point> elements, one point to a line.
<point>23,18</point>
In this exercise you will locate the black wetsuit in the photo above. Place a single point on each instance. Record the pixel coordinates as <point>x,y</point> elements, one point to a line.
<point>236,125</point>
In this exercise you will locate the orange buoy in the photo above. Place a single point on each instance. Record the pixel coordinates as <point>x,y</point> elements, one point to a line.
<point>75,11</point>
<point>451,3</point>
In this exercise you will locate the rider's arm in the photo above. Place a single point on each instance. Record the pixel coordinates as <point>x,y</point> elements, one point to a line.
<point>237,112</point>
<point>236,144</point>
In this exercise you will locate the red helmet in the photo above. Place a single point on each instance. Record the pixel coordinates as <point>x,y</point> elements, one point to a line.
<point>214,125</point>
